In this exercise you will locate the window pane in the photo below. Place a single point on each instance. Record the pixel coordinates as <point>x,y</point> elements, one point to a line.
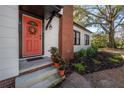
<point>76,37</point>
<point>86,38</point>
<point>77,41</point>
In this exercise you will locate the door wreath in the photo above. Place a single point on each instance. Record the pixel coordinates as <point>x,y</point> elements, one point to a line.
<point>32,28</point>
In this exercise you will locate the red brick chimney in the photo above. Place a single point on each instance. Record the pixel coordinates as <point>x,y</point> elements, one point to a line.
<point>66,33</point>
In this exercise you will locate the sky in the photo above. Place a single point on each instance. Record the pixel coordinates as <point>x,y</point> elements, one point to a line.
<point>92,29</point>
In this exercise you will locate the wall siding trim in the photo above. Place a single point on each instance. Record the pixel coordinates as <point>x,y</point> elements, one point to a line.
<point>9,58</point>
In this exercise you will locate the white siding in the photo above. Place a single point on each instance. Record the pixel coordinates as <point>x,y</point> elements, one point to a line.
<point>82,33</point>
<point>51,36</point>
<point>9,59</point>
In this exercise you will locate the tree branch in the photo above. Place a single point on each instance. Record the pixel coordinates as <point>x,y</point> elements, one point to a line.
<point>105,29</point>
<point>96,23</point>
<point>119,23</point>
<point>95,15</point>
<point>116,12</point>
<point>102,13</point>
<point>100,10</point>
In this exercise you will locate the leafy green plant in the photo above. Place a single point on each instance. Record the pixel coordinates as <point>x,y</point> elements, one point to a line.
<point>100,40</point>
<point>112,60</point>
<point>83,52</point>
<point>119,42</point>
<point>95,61</point>
<point>54,51</point>
<point>95,47</point>
<point>80,67</point>
<point>55,56</point>
<point>62,67</point>
<point>90,52</point>
<point>116,56</point>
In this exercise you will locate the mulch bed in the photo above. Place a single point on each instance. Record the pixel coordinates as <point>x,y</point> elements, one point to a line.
<point>102,64</point>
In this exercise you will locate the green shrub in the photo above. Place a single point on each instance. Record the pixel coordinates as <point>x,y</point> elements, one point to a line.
<point>116,56</point>
<point>80,67</point>
<point>112,60</point>
<point>95,61</point>
<point>95,47</point>
<point>100,40</point>
<point>91,51</point>
<point>119,43</point>
<point>83,52</point>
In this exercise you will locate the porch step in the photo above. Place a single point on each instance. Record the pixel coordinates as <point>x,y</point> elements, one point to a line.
<point>25,66</point>
<point>50,82</point>
<point>41,78</point>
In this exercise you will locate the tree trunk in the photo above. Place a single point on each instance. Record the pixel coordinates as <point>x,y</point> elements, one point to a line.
<point>111,31</point>
<point>111,40</point>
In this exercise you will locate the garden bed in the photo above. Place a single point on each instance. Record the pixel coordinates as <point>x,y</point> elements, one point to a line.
<point>100,61</point>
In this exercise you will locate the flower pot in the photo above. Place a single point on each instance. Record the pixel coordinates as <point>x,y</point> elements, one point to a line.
<point>57,65</point>
<point>61,72</point>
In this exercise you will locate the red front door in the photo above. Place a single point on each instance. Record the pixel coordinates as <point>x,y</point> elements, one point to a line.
<point>31,36</point>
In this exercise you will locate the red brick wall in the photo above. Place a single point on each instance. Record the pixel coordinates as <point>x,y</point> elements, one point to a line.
<point>66,33</point>
<point>8,83</point>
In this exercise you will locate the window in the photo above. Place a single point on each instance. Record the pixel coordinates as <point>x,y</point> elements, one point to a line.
<point>76,38</point>
<point>86,39</point>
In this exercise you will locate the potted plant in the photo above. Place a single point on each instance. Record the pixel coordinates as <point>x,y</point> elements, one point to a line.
<point>56,62</point>
<point>55,56</point>
<point>61,70</point>
<point>63,66</point>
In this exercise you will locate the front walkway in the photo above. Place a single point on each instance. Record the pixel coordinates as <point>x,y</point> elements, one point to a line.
<point>75,81</point>
<point>111,78</point>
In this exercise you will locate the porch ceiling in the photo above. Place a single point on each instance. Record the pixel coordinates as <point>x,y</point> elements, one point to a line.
<point>41,9</point>
<point>49,9</point>
<point>34,9</point>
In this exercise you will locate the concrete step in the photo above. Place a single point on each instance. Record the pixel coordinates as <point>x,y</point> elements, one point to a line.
<point>50,82</point>
<point>28,80</point>
<point>25,66</point>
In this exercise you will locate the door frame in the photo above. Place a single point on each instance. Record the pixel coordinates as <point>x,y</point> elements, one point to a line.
<point>21,12</point>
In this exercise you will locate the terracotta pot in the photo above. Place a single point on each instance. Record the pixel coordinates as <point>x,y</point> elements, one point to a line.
<point>61,72</point>
<point>57,65</point>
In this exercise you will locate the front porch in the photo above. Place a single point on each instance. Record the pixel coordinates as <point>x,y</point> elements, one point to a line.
<point>37,73</point>
<point>35,64</point>
<point>31,65</point>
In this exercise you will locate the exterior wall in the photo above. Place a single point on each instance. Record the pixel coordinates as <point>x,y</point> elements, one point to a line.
<point>9,59</point>
<point>66,33</point>
<point>82,33</point>
<point>51,37</point>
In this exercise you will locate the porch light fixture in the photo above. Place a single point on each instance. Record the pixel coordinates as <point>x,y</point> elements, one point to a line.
<point>52,11</point>
<point>50,19</point>
<point>50,27</point>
